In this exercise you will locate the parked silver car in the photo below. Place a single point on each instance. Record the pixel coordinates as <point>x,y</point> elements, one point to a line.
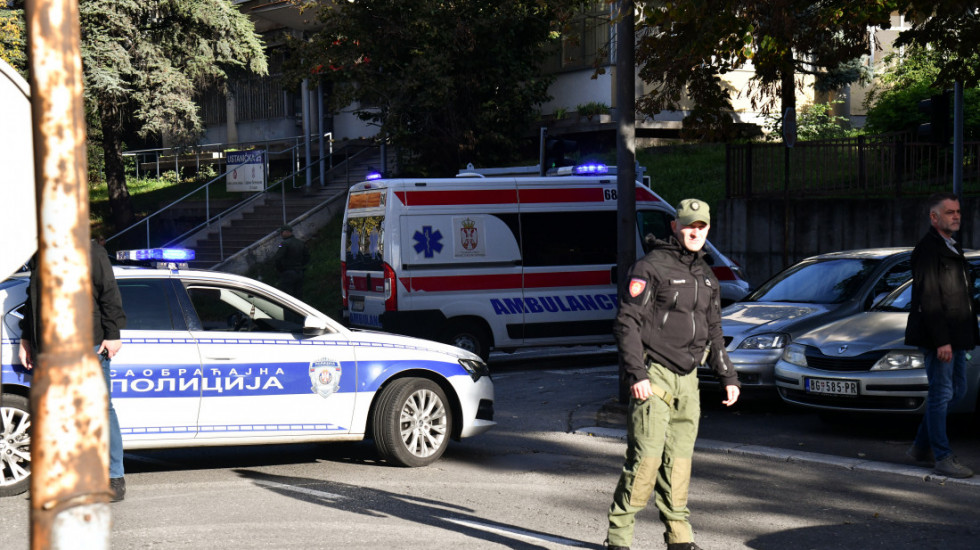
<point>861,363</point>
<point>808,294</point>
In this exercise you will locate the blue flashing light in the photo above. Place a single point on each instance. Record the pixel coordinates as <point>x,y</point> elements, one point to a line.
<point>591,168</point>
<point>156,254</point>
<point>373,176</point>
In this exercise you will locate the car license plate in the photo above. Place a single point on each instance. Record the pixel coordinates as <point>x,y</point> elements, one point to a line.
<point>357,304</point>
<point>833,387</point>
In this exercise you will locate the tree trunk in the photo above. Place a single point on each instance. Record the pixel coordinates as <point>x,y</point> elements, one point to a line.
<point>120,204</point>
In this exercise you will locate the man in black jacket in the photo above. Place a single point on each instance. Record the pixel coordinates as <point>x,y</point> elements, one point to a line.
<point>943,324</point>
<point>108,319</point>
<point>291,260</point>
<point>669,323</point>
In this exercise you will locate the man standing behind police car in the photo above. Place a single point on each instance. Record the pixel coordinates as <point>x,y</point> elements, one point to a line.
<point>669,323</point>
<point>291,260</point>
<point>108,319</point>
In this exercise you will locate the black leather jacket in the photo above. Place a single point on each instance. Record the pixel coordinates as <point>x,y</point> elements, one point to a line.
<point>670,312</point>
<point>942,309</point>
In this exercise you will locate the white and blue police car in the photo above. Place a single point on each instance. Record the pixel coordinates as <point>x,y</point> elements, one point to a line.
<point>212,358</point>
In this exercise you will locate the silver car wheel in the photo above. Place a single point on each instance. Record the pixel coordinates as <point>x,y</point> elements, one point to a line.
<point>15,445</point>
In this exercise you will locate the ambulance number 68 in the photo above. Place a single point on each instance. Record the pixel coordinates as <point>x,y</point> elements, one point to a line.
<point>609,194</point>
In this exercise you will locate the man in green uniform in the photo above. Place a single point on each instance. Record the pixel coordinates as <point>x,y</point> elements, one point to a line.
<point>669,323</point>
<point>291,260</point>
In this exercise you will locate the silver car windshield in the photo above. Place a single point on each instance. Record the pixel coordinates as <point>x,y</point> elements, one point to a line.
<point>818,282</point>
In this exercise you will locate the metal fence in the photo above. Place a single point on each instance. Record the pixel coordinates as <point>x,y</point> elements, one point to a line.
<point>888,165</point>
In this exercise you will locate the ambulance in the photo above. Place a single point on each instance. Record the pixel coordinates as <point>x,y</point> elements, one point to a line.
<point>489,261</point>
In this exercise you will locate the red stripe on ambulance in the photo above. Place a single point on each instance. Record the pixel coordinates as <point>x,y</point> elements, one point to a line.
<point>456,283</point>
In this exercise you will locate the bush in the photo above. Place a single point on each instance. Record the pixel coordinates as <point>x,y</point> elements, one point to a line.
<point>816,121</point>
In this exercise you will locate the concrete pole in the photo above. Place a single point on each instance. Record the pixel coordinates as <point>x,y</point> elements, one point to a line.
<point>625,149</point>
<point>306,133</point>
<point>958,138</point>
<point>69,402</point>
<point>320,132</point>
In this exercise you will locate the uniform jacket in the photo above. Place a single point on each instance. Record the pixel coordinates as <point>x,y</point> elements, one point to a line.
<point>671,313</point>
<point>292,255</point>
<point>108,317</point>
<point>942,309</point>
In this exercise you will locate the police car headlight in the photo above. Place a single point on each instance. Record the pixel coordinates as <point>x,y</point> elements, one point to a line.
<point>769,340</point>
<point>476,368</point>
<point>795,354</point>
<point>901,360</point>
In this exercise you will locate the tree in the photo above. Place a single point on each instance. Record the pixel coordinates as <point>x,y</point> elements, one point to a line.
<point>143,63</point>
<point>952,29</point>
<point>13,39</point>
<point>686,46</point>
<point>448,82</point>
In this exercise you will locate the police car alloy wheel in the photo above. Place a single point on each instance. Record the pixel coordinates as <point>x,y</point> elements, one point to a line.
<point>412,422</point>
<point>15,445</point>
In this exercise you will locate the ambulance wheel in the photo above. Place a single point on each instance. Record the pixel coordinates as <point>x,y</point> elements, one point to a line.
<point>470,336</point>
<point>412,422</point>
<point>15,445</point>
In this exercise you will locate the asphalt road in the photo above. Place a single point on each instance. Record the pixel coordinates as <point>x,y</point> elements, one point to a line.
<point>542,478</point>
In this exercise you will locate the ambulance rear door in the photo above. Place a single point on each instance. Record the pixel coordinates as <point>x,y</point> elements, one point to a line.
<point>363,258</point>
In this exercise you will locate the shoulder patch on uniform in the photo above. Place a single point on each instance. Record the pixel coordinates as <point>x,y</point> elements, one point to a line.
<point>637,286</point>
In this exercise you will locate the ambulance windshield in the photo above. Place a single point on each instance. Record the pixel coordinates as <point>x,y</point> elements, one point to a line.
<point>364,248</point>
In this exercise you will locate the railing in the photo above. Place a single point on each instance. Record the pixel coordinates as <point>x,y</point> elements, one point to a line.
<point>161,229</point>
<point>885,165</point>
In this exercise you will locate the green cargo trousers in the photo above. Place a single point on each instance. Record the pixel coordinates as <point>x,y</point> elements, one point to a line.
<point>660,444</point>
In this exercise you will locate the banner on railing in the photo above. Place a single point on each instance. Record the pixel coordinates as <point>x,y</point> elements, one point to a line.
<point>246,170</point>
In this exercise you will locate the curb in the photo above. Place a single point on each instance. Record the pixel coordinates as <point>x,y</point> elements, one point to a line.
<point>803,457</point>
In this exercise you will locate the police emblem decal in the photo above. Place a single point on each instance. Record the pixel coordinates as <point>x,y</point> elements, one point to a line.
<point>637,286</point>
<point>325,377</point>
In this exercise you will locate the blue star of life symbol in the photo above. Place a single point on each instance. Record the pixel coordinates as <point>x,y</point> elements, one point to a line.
<point>427,242</point>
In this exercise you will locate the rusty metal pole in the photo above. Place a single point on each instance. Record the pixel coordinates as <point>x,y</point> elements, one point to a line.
<point>69,401</point>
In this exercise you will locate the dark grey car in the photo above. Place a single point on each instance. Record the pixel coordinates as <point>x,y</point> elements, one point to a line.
<point>810,293</point>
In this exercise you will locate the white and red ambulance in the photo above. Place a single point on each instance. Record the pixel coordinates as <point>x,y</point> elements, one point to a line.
<point>495,262</point>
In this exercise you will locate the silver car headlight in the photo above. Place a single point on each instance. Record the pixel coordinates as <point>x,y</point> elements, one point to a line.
<point>795,354</point>
<point>476,368</point>
<point>901,360</point>
<point>769,340</point>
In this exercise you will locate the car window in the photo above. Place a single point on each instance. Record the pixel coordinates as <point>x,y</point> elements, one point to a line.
<point>817,282</point>
<point>225,308</point>
<point>894,277</point>
<point>899,301</point>
<point>365,243</point>
<point>146,303</point>
<point>568,238</point>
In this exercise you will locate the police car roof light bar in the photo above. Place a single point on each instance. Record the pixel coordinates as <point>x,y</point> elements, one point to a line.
<point>156,254</point>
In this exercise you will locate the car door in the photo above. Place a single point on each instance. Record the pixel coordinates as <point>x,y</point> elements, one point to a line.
<point>156,376</point>
<point>262,378</point>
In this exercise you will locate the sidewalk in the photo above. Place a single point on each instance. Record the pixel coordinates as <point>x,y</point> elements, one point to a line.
<point>611,422</point>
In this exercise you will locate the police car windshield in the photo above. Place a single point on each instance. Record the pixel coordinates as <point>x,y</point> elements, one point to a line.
<point>817,282</point>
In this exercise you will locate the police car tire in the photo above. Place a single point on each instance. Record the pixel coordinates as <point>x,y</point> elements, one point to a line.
<point>412,422</point>
<point>15,416</point>
<point>470,336</point>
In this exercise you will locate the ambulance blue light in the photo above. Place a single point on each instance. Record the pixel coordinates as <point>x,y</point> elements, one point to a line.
<point>373,176</point>
<point>591,168</point>
<point>158,254</point>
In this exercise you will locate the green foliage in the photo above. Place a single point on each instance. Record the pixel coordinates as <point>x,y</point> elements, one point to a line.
<point>893,104</point>
<point>814,121</point>
<point>13,39</point>
<point>685,46</point>
<point>148,59</point>
<point>592,108</point>
<point>448,82</point>
<point>951,29</point>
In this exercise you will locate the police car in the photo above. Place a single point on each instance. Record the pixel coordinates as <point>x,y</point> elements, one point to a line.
<point>212,358</point>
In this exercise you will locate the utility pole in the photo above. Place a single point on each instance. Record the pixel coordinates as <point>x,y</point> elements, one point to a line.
<point>625,150</point>
<point>69,402</point>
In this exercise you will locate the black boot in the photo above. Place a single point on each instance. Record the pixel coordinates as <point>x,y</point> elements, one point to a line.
<point>683,546</point>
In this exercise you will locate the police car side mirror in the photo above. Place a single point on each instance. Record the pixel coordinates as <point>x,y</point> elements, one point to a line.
<point>314,326</point>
